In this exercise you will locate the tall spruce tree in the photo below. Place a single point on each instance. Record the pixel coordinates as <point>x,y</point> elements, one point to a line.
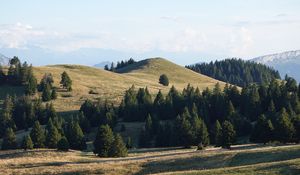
<point>31,85</point>
<point>52,136</point>
<point>75,136</point>
<point>9,140</point>
<point>203,135</point>
<point>37,135</point>
<point>103,141</point>
<point>184,129</point>
<point>46,95</point>
<point>284,127</point>
<point>63,144</point>
<point>216,136</point>
<point>263,130</point>
<point>27,143</point>
<point>118,147</point>
<point>228,134</point>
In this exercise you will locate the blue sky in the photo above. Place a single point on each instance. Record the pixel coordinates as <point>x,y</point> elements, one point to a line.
<point>90,31</point>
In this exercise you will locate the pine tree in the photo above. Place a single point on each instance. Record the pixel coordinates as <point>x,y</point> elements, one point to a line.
<point>263,130</point>
<point>63,144</point>
<point>53,94</point>
<point>228,134</point>
<point>75,136</point>
<point>118,148</point>
<point>46,95</point>
<point>6,120</point>
<point>27,142</point>
<point>66,81</point>
<point>149,126</point>
<point>103,141</point>
<point>128,143</point>
<point>164,80</point>
<point>217,133</point>
<point>203,135</point>
<point>31,85</point>
<point>184,129</point>
<point>9,140</point>
<point>37,135</point>
<point>284,127</point>
<point>52,136</point>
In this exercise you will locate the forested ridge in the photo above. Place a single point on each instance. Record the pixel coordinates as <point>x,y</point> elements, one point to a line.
<point>237,71</point>
<point>220,116</point>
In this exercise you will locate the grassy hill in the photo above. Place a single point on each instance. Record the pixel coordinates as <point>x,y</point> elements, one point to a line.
<point>111,86</point>
<point>242,159</point>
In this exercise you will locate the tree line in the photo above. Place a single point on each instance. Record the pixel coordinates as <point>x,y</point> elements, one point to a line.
<point>49,130</point>
<point>22,75</point>
<point>263,112</point>
<point>119,65</point>
<point>237,71</point>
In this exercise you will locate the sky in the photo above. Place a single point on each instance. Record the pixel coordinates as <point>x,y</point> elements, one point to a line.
<point>91,31</point>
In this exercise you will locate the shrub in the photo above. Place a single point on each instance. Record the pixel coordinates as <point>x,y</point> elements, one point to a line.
<point>164,80</point>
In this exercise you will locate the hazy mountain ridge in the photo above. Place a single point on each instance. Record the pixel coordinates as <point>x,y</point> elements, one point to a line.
<point>285,62</point>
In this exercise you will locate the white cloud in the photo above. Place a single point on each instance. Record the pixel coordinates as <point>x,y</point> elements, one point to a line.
<point>18,35</point>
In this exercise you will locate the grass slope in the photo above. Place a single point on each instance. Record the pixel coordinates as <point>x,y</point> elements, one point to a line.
<point>250,160</point>
<point>111,86</point>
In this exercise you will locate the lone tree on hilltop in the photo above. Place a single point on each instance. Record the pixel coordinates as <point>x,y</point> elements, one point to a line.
<point>66,81</point>
<point>164,80</point>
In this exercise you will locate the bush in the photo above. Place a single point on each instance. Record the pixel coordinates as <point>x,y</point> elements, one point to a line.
<point>164,80</point>
<point>63,144</point>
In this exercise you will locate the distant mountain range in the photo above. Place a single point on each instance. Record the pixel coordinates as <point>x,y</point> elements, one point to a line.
<point>4,60</point>
<point>102,64</point>
<point>285,62</point>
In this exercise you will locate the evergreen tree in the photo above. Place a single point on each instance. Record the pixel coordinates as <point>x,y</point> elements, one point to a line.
<point>118,148</point>
<point>184,129</point>
<point>103,141</point>
<point>203,136</point>
<point>46,95</point>
<point>27,142</point>
<point>228,134</point>
<point>75,136</point>
<point>284,127</point>
<point>149,126</point>
<point>128,143</point>
<point>84,123</point>
<point>63,144</point>
<point>37,135</point>
<point>6,120</point>
<point>9,140</point>
<point>52,136</point>
<point>263,130</point>
<point>45,81</point>
<point>53,94</point>
<point>31,85</point>
<point>217,134</point>
<point>66,81</point>
<point>164,80</point>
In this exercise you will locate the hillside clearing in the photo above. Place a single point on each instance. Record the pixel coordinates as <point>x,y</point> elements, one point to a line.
<point>111,86</point>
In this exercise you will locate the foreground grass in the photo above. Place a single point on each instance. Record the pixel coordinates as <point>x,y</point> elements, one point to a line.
<point>253,160</point>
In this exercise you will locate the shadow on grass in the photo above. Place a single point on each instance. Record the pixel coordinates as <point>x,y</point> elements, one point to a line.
<point>221,161</point>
